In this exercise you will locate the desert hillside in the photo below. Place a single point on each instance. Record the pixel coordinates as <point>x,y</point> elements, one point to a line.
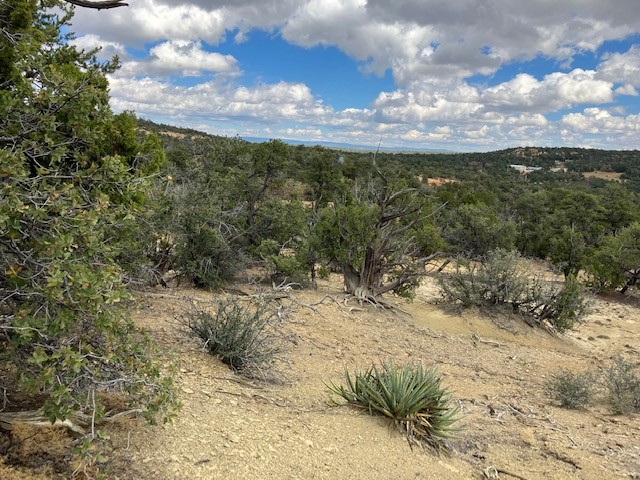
<point>233,428</point>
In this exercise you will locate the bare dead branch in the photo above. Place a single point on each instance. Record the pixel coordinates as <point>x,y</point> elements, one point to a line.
<point>99,5</point>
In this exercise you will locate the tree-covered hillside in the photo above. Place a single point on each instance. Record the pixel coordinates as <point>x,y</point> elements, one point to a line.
<point>275,203</point>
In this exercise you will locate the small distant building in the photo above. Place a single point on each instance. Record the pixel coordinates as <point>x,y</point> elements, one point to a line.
<point>524,169</point>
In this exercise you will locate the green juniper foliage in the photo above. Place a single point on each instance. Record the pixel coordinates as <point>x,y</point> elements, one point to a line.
<point>71,176</point>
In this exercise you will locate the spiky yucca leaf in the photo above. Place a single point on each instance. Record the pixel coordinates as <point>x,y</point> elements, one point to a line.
<point>411,396</point>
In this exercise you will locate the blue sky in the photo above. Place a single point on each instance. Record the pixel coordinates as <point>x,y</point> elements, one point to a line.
<point>470,75</point>
<point>330,74</point>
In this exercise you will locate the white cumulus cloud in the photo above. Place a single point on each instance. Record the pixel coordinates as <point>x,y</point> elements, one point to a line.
<point>433,48</point>
<point>183,57</point>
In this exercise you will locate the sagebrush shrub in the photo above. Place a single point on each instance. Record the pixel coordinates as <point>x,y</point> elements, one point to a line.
<point>622,384</point>
<point>498,281</point>
<point>410,395</point>
<point>494,281</point>
<point>571,390</point>
<point>240,336</point>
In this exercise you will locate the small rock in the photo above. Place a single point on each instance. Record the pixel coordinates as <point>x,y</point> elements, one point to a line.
<point>308,443</point>
<point>174,458</point>
<point>187,390</point>
<point>233,439</point>
<point>147,460</point>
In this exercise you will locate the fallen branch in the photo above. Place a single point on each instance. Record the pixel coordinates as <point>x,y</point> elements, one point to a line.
<point>478,339</point>
<point>162,295</point>
<point>375,302</point>
<point>563,458</point>
<point>491,473</point>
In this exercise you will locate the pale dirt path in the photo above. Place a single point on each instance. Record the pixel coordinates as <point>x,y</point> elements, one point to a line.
<point>232,430</point>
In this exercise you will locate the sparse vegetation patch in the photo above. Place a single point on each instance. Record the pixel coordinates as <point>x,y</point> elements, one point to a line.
<point>410,395</point>
<point>572,390</point>
<point>498,281</point>
<point>240,336</point>
<point>622,385</point>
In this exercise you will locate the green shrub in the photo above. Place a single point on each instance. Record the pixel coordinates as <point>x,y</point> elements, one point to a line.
<point>571,390</point>
<point>72,174</point>
<point>562,307</point>
<point>411,396</point>
<point>498,280</point>
<point>288,269</point>
<point>615,265</point>
<point>240,336</point>
<point>208,246</point>
<point>623,387</point>
<point>283,267</point>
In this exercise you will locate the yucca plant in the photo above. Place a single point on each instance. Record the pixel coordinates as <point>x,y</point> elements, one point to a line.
<point>410,395</point>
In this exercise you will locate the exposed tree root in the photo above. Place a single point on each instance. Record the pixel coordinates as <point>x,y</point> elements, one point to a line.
<point>77,423</point>
<point>374,301</point>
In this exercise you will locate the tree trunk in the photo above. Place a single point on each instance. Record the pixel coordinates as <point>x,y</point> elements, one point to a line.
<point>631,282</point>
<point>355,285</point>
<point>370,274</point>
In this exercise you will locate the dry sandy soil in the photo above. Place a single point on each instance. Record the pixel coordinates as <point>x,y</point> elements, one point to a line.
<point>233,428</point>
<point>614,176</point>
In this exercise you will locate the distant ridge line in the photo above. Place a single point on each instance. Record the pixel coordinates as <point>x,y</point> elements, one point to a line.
<point>349,146</point>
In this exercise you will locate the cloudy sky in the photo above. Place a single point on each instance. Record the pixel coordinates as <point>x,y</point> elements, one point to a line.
<point>464,75</point>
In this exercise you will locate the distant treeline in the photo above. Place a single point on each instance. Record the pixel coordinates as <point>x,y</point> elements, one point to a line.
<point>571,162</point>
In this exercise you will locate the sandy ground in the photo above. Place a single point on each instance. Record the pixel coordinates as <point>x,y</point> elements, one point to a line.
<point>615,176</point>
<point>232,428</point>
